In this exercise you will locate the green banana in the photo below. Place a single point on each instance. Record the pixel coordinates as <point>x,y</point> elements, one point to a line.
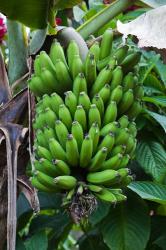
<point>110,127</point>
<point>90,69</point>
<point>113,162</point>
<point>124,161</point>
<point>43,153</point>
<point>94,188</point>
<point>50,117</point>
<point>94,115</point>
<point>34,181</point>
<point>109,60</point>
<point>87,146</point>
<point>72,151</point>
<point>130,61</point>
<point>40,138</point>
<point>128,81</point>
<point>104,77</point>
<point>79,84</point>
<point>106,44</point>
<point>56,101</point>
<point>104,93</point>
<point>49,169</point>
<point>138,91</point>
<point>98,101</point>
<point>48,133</point>
<point>95,50</point>
<point>103,177</point>
<point>61,132</point>
<point>78,133</point>
<point>122,136</point>
<point>129,144</point>
<point>119,196</point>
<point>123,173</point>
<point>50,80</point>
<point>65,116</point>
<point>94,134</point>
<point>110,113</point>
<point>80,116</point>
<point>84,100</point>
<point>37,66</point>
<point>65,182</point>
<point>76,66</point>
<point>63,76</point>
<point>121,53</point>
<point>126,101</point>
<point>46,181</point>
<point>71,102</point>
<point>36,86</point>
<point>56,52</point>
<point>108,142</point>
<point>117,76</point>
<point>72,50</point>
<point>46,62</point>
<point>98,159</point>
<point>116,94</point>
<point>126,181</point>
<point>61,167</point>
<point>119,149</point>
<point>132,129</point>
<point>134,110</point>
<point>57,152</point>
<point>123,121</point>
<point>107,196</point>
<point>46,102</point>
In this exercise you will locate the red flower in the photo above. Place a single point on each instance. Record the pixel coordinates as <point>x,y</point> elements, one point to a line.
<point>58,21</point>
<point>3,29</point>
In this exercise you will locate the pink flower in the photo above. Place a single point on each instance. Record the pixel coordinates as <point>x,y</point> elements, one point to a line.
<point>3,29</point>
<point>58,21</point>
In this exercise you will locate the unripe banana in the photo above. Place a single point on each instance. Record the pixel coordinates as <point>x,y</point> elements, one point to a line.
<point>123,121</point>
<point>90,70</point>
<point>71,102</point>
<point>46,181</point>
<point>72,151</point>
<point>103,177</point>
<point>113,162</point>
<point>37,66</point>
<point>123,172</point>
<point>43,153</point>
<point>110,113</point>
<point>124,161</point>
<point>39,186</point>
<point>108,142</point>
<point>48,133</point>
<point>109,60</point>
<point>46,101</point>
<point>46,62</point>
<point>94,188</point>
<point>39,106</point>
<point>119,149</point>
<point>133,150</point>
<point>56,150</point>
<point>61,132</point>
<point>84,101</point>
<point>79,85</point>
<point>50,80</point>
<point>107,196</point>
<point>65,182</point>
<point>132,129</point>
<point>116,94</point>
<point>87,146</point>
<point>98,101</point>
<point>95,50</point>
<point>129,144</point>
<point>104,77</point>
<point>122,136</point>
<point>126,101</point>
<point>94,115</point>
<point>49,169</point>
<point>56,101</point>
<point>138,91</point>
<point>98,159</point>
<point>134,110</point>
<point>65,116</point>
<point>56,52</point>
<point>130,61</point>
<point>50,117</point>
<point>76,66</point>
<point>110,127</point>
<point>40,120</point>
<point>94,134</point>
<point>121,53</point>
<point>128,81</point>
<point>80,116</point>
<point>78,133</point>
<point>71,51</point>
<point>62,167</point>
<point>40,138</point>
<point>104,93</point>
<point>106,44</point>
<point>63,76</point>
<point>117,76</point>
<point>119,196</point>
<point>37,87</point>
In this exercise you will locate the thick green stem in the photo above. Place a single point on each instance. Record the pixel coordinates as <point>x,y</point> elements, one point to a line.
<point>17,51</point>
<point>102,17</point>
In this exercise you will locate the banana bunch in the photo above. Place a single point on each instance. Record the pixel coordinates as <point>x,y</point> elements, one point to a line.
<point>84,126</point>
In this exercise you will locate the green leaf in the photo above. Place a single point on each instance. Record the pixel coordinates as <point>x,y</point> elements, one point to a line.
<point>63,4</point>
<point>100,213</point>
<point>150,191</point>
<point>154,3</point>
<point>102,17</point>
<point>157,100</point>
<point>38,241</point>
<point>161,119</point>
<point>128,225</point>
<point>91,241</point>
<point>161,242</point>
<point>152,158</point>
<point>153,82</point>
<point>38,38</point>
<point>161,69</point>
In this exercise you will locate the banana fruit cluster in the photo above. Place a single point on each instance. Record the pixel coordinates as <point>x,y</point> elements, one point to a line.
<point>84,126</point>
